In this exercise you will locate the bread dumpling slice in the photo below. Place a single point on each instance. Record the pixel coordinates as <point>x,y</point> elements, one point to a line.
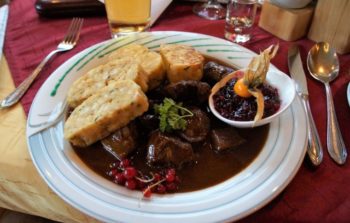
<point>182,62</point>
<point>153,65</point>
<point>109,109</point>
<point>150,61</point>
<point>128,50</point>
<point>101,76</point>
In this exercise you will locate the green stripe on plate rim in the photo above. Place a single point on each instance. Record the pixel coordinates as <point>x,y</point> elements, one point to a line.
<point>58,84</point>
<point>97,53</point>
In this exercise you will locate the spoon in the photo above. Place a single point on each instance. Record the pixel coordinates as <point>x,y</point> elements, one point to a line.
<point>323,65</point>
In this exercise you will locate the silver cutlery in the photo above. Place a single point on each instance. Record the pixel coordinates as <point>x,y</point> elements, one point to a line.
<point>323,65</point>
<point>53,117</point>
<point>70,40</point>
<point>314,148</point>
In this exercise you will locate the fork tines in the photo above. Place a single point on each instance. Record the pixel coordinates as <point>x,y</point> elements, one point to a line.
<point>73,32</point>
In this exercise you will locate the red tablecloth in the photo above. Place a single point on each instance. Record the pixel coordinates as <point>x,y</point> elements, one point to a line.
<point>314,195</point>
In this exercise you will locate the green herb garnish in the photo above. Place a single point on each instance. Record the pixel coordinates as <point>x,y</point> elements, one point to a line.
<point>172,115</point>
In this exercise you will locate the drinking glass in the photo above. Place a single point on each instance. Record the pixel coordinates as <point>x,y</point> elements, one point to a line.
<point>240,18</point>
<point>128,16</point>
<point>211,10</point>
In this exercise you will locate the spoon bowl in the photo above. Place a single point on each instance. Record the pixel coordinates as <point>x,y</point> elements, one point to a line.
<point>323,62</point>
<point>323,65</point>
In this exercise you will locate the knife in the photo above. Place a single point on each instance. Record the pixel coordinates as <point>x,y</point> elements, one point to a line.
<point>4,11</point>
<point>314,148</point>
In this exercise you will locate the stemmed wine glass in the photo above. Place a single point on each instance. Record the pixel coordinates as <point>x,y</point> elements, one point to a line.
<point>211,10</point>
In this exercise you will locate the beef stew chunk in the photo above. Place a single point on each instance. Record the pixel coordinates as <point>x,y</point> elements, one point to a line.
<point>188,91</point>
<point>122,142</point>
<point>163,149</point>
<point>213,72</point>
<point>198,126</point>
<point>225,138</point>
<point>157,94</point>
<point>149,122</point>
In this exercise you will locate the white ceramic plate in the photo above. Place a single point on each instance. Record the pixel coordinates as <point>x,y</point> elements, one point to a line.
<point>233,199</point>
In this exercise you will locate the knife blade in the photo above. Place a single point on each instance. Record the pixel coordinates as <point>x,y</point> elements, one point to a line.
<point>296,70</point>
<point>314,148</point>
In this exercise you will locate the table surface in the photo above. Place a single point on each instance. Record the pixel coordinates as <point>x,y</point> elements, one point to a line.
<point>314,195</point>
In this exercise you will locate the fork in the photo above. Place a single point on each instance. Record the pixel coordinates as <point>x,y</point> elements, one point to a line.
<point>70,40</point>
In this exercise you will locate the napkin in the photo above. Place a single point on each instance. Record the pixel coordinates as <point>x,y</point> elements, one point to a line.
<point>4,11</point>
<point>158,6</point>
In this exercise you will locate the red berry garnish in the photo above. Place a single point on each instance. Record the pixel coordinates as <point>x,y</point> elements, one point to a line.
<point>157,177</point>
<point>119,178</point>
<point>124,163</point>
<point>170,175</point>
<point>130,184</point>
<point>147,192</point>
<point>171,171</point>
<point>123,173</point>
<point>170,178</point>
<point>129,172</point>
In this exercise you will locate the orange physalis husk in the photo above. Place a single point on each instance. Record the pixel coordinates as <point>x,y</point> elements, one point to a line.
<point>255,75</point>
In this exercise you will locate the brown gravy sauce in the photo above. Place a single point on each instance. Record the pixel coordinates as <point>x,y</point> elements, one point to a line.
<point>210,167</point>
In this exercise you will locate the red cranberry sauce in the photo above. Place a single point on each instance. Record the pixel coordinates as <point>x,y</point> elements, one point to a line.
<point>234,107</point>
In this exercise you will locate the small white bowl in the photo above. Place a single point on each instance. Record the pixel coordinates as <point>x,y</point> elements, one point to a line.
<point>286,90</point>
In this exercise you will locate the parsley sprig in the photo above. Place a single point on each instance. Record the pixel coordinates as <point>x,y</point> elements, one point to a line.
<point>172,115</point>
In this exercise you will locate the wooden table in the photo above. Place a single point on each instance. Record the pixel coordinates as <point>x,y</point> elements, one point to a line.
<point>21,187</point>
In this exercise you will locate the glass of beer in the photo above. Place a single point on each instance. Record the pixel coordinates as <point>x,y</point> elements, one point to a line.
<point>128,16</point>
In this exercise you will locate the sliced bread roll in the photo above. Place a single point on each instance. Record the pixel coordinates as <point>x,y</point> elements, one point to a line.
<point>101,76</point>
<point>153,64</point>
<point>150,61</point>
<point>109,109</point>
<point>182,62</point>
